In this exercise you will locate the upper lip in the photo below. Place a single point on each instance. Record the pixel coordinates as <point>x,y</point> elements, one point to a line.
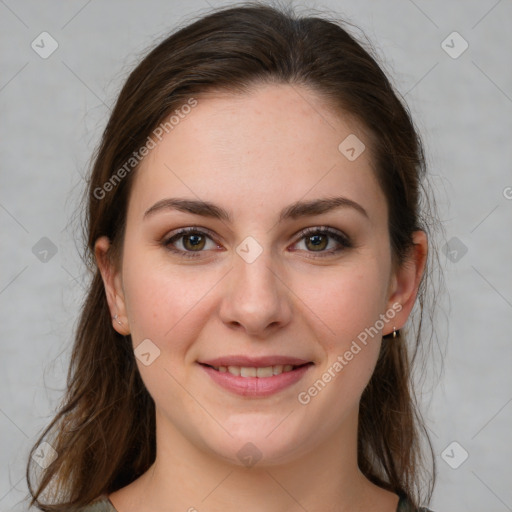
<point>258,362</point>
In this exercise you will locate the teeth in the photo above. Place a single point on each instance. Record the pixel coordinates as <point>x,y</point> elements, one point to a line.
<point>276,370</point>
<point>264,372</point>
<point>250,371</point>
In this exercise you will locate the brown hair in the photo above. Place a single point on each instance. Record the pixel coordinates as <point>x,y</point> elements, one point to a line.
<point>104,431</point>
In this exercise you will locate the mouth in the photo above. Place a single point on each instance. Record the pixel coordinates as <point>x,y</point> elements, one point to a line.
<point>256,371</point>
<point>256,381</point>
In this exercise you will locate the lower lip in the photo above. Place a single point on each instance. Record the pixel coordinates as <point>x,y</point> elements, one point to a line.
<point>256,386</point>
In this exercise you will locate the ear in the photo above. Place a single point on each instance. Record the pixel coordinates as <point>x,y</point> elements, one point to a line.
<point>113,286</point>
<point>405,280</point>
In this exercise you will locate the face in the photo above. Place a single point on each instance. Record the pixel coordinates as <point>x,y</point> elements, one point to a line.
<point>278,281</point>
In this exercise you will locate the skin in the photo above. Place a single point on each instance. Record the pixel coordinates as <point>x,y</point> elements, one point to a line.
<point>254,154</point>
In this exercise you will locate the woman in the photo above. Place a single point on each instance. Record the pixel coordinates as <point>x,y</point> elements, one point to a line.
<point>257,245</point>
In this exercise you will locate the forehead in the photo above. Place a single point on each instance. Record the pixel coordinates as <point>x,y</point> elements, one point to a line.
<point>273,145</point>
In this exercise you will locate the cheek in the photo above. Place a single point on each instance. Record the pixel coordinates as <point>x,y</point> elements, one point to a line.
<point>346,301</point>
<point>349,305</point>
<point>164,305</point>
<point>165,302</point>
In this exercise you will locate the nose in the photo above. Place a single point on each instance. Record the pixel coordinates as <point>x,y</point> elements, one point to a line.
<point>256,299</point>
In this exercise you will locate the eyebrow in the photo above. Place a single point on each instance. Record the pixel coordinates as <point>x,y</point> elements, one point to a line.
<point>293,211</point>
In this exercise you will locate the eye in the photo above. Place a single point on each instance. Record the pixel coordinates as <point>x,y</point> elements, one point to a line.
<point>193,241</point>
<point>316,240</point>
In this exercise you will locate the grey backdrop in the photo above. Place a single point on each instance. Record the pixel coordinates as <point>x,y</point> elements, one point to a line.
<point>54,106</point>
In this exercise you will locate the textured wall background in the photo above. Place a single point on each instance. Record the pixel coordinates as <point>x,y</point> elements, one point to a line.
<point>54,106</point>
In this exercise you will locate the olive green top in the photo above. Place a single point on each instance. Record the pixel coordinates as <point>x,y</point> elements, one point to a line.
<point>105,505</point>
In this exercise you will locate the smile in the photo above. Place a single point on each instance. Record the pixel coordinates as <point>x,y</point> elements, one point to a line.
<point>251,371</point>
<point>251,381</point>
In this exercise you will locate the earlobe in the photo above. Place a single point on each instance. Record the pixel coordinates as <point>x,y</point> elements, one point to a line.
<point>406,280</point>
<point>113,285</point>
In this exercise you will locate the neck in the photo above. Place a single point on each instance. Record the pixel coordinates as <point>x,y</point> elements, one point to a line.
<point>185,477</point>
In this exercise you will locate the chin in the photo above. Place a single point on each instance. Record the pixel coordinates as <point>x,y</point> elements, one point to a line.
<point>256,445</point>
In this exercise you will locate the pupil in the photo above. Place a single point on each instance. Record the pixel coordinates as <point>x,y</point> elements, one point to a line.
<point>316,240</point>
<point>194,240</point>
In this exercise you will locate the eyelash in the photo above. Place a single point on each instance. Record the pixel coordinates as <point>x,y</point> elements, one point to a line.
<point>342,239</point>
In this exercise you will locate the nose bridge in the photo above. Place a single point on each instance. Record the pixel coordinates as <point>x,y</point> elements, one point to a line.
<point>255,271</point>
<point>257,298</point>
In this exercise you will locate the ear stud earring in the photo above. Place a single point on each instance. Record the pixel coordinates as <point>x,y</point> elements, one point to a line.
<point>395,334</point>
<point>115,317</point>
